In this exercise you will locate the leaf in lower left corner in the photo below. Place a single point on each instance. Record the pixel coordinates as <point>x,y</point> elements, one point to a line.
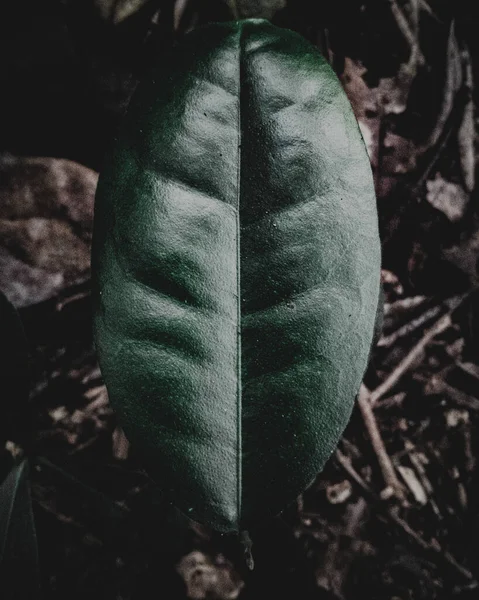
<point>19,574</point>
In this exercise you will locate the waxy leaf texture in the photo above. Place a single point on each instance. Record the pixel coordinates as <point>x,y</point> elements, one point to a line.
<point>236,266</point>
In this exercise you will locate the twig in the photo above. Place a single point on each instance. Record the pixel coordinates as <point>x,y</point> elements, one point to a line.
<point>451,86</point>
<point>426,8</point>
<point>234,8</point>
<point>403,305</point>
<point>468,450</point>
<point>407,32</point>
<point>390,401</point>
<point>178,12</point>
<point>436,385</point>
<point>247,544</point>
<point>414,484</point>
<point>385,464</point>
<point>431,155</point>
<point>414,9</point>
<point>345,462</point>
<point>120,444</point>
<point>339,557</point>
<point>99,399</point>
<point>408,328</point>
<point>413,58</point>
<point>367,400</point>
<point>421,472</point>
<point>441,324</point>
<point>465,133</point>
<point>433,548</point>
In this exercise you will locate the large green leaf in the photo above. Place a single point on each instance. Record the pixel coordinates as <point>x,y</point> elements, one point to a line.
<point>19,573</point>
<point>236,265</point>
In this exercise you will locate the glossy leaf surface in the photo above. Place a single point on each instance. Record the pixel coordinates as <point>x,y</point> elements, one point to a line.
<point>236,265</point>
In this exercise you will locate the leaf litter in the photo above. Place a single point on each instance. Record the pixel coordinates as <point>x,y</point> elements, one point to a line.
<point>393,514</point>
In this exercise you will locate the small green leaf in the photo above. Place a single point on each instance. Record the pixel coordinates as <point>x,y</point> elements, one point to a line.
<point>14,376</point>
<point>236,266</point>
<point>19,573</point>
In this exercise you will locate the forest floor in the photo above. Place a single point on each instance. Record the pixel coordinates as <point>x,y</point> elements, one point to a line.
<point>394,513</point>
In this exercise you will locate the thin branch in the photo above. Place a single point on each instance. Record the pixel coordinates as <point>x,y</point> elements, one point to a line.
<point>433,548</point>
<point>436,385</point>
<point>431,155</point>
<point>345,462</point>
<point>388,340</point>
<point>407,32</point>
<point>415,52</point>
<point>234,8</point>
<point>385,464</point>
<point>441,325</point>
<point>466,131</point>
<point>452,84</point>
<point>423,5</point>
<point>178,12</point>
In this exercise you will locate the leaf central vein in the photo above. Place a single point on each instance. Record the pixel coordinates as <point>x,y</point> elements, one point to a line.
<point>238,281</point>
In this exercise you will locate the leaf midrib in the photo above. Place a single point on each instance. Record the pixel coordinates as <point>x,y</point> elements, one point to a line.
<point>239,390</point>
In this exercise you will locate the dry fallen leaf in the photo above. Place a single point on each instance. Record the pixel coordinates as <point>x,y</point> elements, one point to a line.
<point>205,579</point>
<point>364,103</point>
<point>465,256</point>
<point>371,105</point>
<point>393,92</point>
<point>338,493</point>
<point>46,216</point>
<point>399,155</point>
<point>449,198</point>
<point>455,417</point>
<point>452,83</point>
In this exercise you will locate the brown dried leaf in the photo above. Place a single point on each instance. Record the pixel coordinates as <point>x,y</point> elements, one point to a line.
<point>338,493</point>
<point>393,92</point>
<point>399,156</point>
<point>465,256</point>
<point>364,103</point>
<point>205,579</point>
<point>447,197</point>
<point>370,105</point>
<point>46,215</point>
<point>470,368</point>
<point>423,5</point>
